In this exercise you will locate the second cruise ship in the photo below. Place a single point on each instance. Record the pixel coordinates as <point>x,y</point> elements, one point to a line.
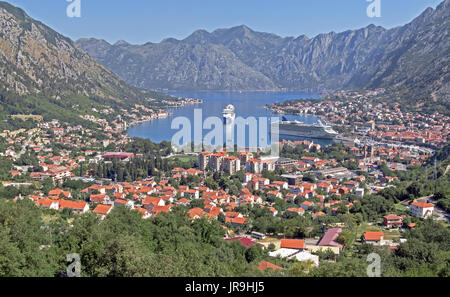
<point>296,128</point>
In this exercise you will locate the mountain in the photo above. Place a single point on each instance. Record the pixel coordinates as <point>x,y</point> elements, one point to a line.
<point>43,71</point>
<point>414,57</point>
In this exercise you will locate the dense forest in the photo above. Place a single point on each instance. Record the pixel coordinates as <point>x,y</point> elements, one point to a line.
<point>35,242</point>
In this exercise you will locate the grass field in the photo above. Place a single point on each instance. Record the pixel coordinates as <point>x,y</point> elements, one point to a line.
<point>363,228</point>
<point>266,242</point>
<point>391,234</point>
<point>400,207</point>
<point>37,118</point>
<point>183,158</point>
<point>388,234</point>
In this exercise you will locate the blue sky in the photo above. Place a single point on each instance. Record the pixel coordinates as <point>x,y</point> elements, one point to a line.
<point>141,21</point>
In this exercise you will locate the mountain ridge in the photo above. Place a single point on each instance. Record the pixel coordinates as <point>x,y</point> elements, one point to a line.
<point>243,59</point>
<point>40,67</point>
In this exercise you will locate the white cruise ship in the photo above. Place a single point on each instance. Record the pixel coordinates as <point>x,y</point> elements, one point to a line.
<point>228,113</point>
<point>296,128</point>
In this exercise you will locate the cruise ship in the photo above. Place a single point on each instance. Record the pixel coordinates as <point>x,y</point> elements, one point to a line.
<point>228,113</point>
<point>296,128</point>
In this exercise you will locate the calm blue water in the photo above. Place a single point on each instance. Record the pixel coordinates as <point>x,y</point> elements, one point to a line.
<point>246,103</point>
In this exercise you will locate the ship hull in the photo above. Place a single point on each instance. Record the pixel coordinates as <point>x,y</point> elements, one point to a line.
<point>228,118</point>
<point>305,131</point>
<point>306,134</point>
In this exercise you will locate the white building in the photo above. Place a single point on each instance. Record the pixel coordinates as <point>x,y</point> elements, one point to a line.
<point>359,192</point>
<point>422,210</point>
<point>300,256</point>
<point>306,256</point>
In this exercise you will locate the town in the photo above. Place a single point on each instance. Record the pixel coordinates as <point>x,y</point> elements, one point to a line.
<point>309,202</point>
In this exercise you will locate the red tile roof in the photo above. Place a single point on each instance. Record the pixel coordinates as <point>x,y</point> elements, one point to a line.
<point>292,243</point>
<point>422,205</point>
<point>329,239</point>
<point>375,236</point>
<point>263,265</point>
<point>196,212</point>
<point>247,242</point>
<point>102,209</point>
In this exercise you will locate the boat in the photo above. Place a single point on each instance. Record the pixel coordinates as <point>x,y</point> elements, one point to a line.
<point>296,128</point>
<point>228,113</point>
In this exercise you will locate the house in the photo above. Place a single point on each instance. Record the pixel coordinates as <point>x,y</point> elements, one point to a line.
<point>392,221</point>
<point>359,192</point>
<point>421,210</point>
<point>95,189</point>
<point>296,244</point>
<point>317,214</point>
<point>329,239</point>
<point>118,156</point>
<point>281,184</point>
<point>247,177</point>
<point>297,254</point>
<point>76,206</point>
<point>303,165</point>
<point>264,265</point>
<point>191,194</point>
<point>309,187</point>
<point>310,160</point>
<point>213,212</point>
<point>103,210</point>
<point>15,173</point>
<point>325,187</point>
<point>351,184</point>
<point>375,238</point>
<point>343,190</point>
<point>160,209</point>
<point>306,256</point>
<point>273,211</point>
<point>296,189</point>
<point>291,196</point>
<point>57,193</point>
<point>299,211</point>
<point>274,194</point>
<point>123,202</point>
<point>247,242</point>
<point>237,222</point>
<point>48,203</point>
<point>307,205</point>
<point>257,200</point>
<point>196,213</point>
<point>58,174</point>
<point>100,198</point>
<point>151,202</point>
<point>284,253</point>
<point>183,202</point>
<point>144,213</point>
<point>293,180</point>
<point>231,215</point>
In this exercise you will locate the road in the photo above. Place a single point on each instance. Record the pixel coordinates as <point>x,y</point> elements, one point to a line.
<point>25,146</point>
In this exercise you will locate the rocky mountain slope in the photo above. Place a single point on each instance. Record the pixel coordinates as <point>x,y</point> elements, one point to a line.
<point>414,57</point>
<point>37,61</point>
